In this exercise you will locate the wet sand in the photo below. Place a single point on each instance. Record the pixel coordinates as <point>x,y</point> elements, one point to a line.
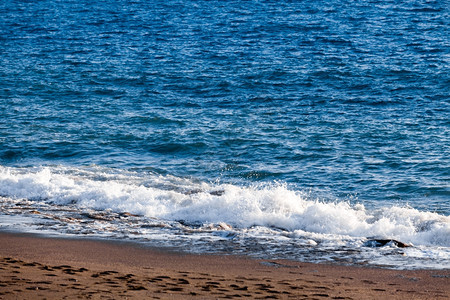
<point>46,268</point>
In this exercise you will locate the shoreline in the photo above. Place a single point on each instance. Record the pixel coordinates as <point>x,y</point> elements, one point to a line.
<point>35,267</point>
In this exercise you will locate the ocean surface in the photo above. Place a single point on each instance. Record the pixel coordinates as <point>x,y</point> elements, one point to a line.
<point>302,130</point>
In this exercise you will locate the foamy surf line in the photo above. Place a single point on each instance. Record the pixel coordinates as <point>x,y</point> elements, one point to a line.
<point>267,220</point>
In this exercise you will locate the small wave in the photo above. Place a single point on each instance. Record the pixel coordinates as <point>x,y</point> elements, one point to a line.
<point>172,198</point>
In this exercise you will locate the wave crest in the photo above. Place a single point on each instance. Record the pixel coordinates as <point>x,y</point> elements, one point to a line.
<point>173,198</point>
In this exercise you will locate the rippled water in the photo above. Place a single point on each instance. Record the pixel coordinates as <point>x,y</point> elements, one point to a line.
<point>199,115</point>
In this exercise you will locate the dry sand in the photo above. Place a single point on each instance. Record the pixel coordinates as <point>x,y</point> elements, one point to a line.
<point>43,268</point>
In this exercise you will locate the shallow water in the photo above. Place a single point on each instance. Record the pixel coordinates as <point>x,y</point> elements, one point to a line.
<point>288,129</point>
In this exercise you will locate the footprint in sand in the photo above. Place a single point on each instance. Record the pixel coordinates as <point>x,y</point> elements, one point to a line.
<point>239,288</point>
<point>183,281</point>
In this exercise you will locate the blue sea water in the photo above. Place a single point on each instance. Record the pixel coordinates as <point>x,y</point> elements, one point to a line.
<point>292,129</point>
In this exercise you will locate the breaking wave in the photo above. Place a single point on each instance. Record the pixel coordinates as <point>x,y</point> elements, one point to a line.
<point>170,198</point>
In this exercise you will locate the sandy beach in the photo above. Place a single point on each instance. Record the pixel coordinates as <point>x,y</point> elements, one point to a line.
<point>47,268</point>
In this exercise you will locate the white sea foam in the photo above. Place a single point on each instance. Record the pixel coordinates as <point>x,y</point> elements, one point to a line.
<point>171,198</point>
